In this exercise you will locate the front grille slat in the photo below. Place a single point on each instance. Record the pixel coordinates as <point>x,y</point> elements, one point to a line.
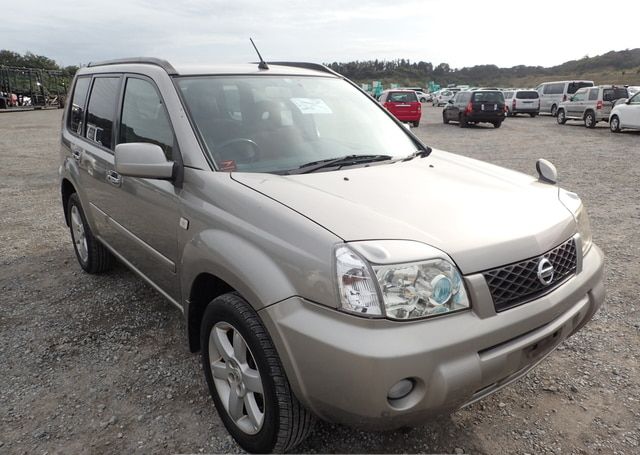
<point>514,284</point>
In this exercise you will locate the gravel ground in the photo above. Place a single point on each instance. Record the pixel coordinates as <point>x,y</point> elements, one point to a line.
<point>99,364</point>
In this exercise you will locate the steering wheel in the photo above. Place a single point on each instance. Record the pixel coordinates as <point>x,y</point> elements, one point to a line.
<point>246,155</point>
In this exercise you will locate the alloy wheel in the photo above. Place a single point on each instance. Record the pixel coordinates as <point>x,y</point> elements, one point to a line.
<point>79,235</point>
<point>236,377</point>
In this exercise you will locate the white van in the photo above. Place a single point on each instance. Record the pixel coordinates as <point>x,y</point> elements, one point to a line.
<point>554,93</point>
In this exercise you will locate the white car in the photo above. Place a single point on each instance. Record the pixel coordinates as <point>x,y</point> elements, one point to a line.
<point>443,97</point>
<point>625,114</point>
<point>423,97</point>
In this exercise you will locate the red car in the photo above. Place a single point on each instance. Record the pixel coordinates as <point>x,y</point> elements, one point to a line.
<point>403,104</point>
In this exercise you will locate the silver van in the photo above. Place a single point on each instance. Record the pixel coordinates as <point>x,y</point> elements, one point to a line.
<point>325,260</point>
<point>554,93</point>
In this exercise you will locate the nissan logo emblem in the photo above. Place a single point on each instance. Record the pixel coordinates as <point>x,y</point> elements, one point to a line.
<point>545,271</point>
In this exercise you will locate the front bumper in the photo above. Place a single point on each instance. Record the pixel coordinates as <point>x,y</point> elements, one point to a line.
<point>342,367</point>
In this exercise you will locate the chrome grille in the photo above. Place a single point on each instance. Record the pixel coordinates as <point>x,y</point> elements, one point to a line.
<point>514,284</point>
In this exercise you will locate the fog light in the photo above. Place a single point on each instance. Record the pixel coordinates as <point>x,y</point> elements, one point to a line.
<point>400,389</point>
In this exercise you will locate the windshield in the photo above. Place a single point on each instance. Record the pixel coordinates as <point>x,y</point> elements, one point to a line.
<point>278,123</point>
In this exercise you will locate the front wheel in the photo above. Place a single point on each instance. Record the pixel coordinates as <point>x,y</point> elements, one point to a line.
<point>614,124</point>
<point>497,124</point>
<point>247,381</point>
<point>590,120</point>
<point>561,117</point>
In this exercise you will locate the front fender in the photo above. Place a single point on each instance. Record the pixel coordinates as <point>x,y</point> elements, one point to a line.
<point>239,263</point>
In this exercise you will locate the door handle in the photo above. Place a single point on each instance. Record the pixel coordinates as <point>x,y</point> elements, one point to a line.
<point>76,154</point>
<point>114,178</point>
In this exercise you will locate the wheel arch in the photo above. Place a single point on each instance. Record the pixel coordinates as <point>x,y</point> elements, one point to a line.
<point>66,190</point>
<point>216,262</point>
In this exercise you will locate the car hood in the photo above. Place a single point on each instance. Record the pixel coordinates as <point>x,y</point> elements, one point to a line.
<point>481,215</point>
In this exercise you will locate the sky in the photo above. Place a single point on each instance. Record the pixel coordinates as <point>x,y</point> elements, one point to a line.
<point>460,33</point>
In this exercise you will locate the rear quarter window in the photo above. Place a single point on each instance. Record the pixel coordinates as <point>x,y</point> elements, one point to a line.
<point>76,112</point>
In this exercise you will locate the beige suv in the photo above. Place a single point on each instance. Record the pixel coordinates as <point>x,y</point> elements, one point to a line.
<point>591,104</point>
<point>326,261</point>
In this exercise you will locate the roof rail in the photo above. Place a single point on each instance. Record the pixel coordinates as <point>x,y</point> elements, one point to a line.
<point>308,65</point>
<point>165,65</point>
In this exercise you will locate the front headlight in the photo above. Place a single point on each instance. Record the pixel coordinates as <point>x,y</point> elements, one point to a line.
<point>422,289</point>
<point>584,229</point>
<point>572,202</point>
<point>407,291</point>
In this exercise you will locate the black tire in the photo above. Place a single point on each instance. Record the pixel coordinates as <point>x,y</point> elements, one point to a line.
<point>462,122</point>
<point>561,117</point>
<point>416,124</point>
<point>532,114</point>
<point>554,110</point>
<point>497,124</point>
<point>614,124</point>
<point>445,120</point>
<point>423,100</point>
<point>590,119</point>
<point>98,258</point>
<point>286,423</point>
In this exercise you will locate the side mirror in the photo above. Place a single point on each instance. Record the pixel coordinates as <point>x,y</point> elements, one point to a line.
<point>547,172</point>
<point>142,159</point>
<point>450,101</point>
<point>627,101</point>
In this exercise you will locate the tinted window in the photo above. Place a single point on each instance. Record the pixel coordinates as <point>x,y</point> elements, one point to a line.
<point>527,95</point>
<point>101,110</point>
<point>635,99</point>
<point>593,94</point>
<point>144,118</point>
<point>402,97</point>
<point>488,97</point>
<point>575,86</point>
<point>554,89</point>
<point>612,94</point>
<point>77,104</point>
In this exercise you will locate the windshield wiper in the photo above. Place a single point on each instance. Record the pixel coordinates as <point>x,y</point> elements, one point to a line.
<point>420,152</point>
<point>340,161</point>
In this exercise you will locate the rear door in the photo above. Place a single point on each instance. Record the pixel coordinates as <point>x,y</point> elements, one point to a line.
<point>527,100</point>
<point>403,104</point>
<point>96,149</point>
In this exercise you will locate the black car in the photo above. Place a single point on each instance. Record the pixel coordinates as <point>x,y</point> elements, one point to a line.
<point>475,106</point>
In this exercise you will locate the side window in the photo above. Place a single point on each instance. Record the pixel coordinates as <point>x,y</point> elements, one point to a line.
<point>580,95</point>
<point>593,94</point>
<point>635,99</point>
<point>101,110</point>
<point>77,104</point>
<point>144,117</point>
